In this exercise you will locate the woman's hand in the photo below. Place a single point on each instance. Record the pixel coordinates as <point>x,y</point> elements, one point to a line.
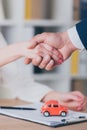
<point>73,100</point>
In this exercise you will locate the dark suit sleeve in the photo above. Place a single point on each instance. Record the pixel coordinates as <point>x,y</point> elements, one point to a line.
<point>82,31</point>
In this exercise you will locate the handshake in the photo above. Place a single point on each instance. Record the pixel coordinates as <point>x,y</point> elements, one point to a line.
<point>47,50</point>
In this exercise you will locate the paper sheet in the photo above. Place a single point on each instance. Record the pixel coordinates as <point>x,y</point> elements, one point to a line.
<point>38,117</point>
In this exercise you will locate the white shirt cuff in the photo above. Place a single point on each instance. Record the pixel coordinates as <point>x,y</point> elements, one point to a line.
<point>75,39</point>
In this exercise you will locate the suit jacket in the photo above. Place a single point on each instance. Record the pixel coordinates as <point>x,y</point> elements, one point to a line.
<point>82,31</point>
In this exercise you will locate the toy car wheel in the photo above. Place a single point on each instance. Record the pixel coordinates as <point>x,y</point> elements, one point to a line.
<point>46,113</point>
<point>63,113</point>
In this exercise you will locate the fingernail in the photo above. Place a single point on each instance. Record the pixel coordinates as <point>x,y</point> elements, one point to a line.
<point>52,62</point>
<point>60,61</point>
<point>60,56</point>
<point>79,108</point>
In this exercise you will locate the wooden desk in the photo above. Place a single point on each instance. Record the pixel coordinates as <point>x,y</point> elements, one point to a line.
<point>8,123</point>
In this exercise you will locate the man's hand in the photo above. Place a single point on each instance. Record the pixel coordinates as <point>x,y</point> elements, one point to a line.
<point>59,41</point>
<point>46,58</point>
<point>42,56</point>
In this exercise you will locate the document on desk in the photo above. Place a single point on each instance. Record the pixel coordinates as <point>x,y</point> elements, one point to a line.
<point>37,117</point>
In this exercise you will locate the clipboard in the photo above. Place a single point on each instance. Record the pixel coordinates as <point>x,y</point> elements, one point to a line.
<point>37,117</point>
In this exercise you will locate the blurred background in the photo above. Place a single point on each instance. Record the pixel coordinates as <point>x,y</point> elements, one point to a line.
<point>20,20</point>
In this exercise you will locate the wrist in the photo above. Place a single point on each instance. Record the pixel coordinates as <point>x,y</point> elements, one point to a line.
<point>68,42</point>
<point>17,49</point>
<point>20,49</point>
<point>23,51</point>
<point>51,95</point>
<point>10,53</point>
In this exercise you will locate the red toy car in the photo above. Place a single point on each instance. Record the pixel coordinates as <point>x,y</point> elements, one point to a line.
<point>53,108</point>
